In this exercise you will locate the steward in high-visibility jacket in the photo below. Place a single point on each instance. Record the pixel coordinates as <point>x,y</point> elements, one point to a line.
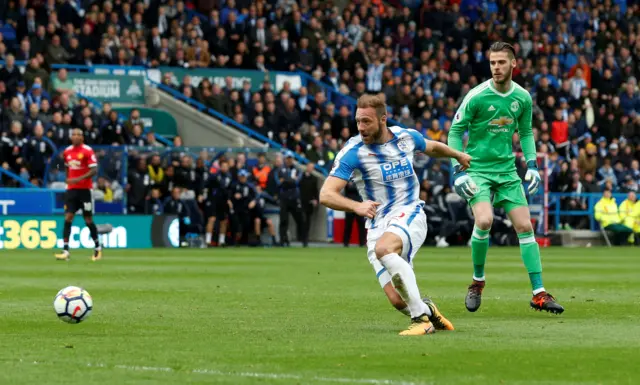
<point>606,210</point>
<point>627,209</point>
<point>607,215</point>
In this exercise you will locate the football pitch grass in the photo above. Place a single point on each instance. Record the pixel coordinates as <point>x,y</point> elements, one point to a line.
<point>315,316</point>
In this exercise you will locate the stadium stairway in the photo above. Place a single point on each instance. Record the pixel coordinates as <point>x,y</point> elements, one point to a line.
<point>197,127</point>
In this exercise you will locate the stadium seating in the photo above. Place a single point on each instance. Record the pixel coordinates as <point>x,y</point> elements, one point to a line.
<point>318,58</point>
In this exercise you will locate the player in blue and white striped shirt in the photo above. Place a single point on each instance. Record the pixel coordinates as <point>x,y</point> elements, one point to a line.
<point>380,161</point>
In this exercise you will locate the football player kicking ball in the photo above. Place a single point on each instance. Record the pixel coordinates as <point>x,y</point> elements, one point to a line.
<point>492,112</point>
<point>380,161</point>
<point>82,165</point>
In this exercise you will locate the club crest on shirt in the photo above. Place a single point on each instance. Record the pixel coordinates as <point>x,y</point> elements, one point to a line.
<point>405,145</point>
<point>515,106</point>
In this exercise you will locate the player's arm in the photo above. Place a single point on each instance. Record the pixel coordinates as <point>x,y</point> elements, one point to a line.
<point>460,124</point>
<point>331,191</point>
<point>441,150</point>
<point>528,144</point>
<point>438,150</point>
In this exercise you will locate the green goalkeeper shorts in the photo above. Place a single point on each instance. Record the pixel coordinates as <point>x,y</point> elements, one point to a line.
<point>507,190</point>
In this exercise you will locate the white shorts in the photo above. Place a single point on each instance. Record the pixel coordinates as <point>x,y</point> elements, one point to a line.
<point>410,224</point>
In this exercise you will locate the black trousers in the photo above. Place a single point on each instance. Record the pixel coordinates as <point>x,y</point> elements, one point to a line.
<point>292,206</point>
<point>348,224</point>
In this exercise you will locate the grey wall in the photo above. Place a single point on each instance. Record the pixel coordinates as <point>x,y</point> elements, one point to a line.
<point>197,128</point>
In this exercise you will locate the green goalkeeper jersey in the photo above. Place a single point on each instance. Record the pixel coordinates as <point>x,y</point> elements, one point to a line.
<point>492,117</point>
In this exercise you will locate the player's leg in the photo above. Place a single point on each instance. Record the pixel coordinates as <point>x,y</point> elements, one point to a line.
<point>66,234</point>
<point>388,250</point>
<point>483,219</point>
<point>87,213</point>
<point>415,224</point>
<point>511,196</point>
<point>71,206</point>
<point>530,253</point>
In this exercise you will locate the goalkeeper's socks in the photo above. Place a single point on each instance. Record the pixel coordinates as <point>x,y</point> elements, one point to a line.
<point>530,252</point>
<point>479,249</point>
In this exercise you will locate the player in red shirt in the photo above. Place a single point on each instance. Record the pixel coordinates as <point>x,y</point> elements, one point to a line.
<point>82,166</point>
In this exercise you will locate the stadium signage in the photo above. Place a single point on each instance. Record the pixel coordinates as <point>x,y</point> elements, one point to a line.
<point>5,204</point>
<point>24,201</point>
<point>44,232</point>
<point>109,88</point>
<point>238,77</point>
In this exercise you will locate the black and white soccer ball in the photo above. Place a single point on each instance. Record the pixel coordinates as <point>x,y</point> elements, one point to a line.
<point>73,304</point>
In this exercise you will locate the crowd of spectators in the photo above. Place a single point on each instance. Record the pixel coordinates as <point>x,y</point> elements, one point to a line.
<point>580,61</point>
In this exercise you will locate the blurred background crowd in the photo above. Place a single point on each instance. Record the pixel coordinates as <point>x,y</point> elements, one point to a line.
<point>579,60</point>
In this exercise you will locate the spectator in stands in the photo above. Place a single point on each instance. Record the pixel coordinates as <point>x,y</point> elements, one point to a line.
<point>261,171</point>
<point>630,216</point>
<point>113,131</point>
<point>37,151</point>
<point>61,84</point>
<point>104,186</point>
<point>309,194</point>
<point>154,204</point>
<point>10,74</point>
<point>138,183</point>
<point>607,214</point>
<point>12,148</point>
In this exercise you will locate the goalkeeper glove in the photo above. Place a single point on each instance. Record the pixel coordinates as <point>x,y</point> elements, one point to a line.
<point>533,177</point>
<point>463,184</point>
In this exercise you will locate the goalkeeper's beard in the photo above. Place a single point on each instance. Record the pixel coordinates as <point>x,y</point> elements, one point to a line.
<point>505,80</point>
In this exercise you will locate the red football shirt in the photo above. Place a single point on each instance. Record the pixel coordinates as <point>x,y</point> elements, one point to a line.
<point>79,160</point>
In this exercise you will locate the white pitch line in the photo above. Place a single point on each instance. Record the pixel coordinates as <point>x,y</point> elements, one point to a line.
<point>273,376</point>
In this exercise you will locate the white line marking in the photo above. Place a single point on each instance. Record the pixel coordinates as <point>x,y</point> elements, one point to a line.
<point>273,376</point>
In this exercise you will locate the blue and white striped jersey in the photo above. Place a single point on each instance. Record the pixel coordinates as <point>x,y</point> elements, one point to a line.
<point>383,172</point>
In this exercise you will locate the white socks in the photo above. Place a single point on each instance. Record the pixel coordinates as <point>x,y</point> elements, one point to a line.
<point>207,238</point>
<point>404,280</point>
<point>221,239</point>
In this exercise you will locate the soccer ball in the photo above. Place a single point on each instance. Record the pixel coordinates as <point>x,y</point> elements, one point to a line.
<point>73,304</point>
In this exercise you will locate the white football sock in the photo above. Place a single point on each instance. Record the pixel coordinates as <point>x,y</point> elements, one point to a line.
<point>207,238</point>
<point>396,266</point>
<point>405,311</point>
<point>221,239</point>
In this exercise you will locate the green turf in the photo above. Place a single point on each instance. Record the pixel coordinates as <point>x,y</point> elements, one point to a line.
<point>317,316</point>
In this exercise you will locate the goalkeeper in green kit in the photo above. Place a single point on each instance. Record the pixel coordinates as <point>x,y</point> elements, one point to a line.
<point>491,113</point>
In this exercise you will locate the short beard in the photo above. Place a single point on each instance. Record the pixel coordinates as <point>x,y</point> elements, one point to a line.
<point>507,78</point>
<point>376,137</point>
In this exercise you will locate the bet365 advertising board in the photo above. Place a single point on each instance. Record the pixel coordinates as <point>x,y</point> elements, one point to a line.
<point>129,232</point>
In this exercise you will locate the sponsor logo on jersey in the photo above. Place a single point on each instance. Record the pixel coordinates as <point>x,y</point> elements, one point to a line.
<point>492,108</point>
<point>502,123</point>
<point>398,169</point>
